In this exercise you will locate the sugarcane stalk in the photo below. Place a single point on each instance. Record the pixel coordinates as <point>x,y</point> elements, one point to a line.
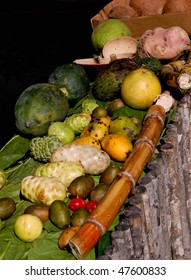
<point>102,216</point>
<point>184,78</point>
<point>171,71</point>
<point>184,81</point>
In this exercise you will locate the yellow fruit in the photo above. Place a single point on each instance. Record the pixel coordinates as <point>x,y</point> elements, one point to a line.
<point>107,30</point>
<point>87,140</point>
<point>140,88</point>
<point>97,128</point>
<point>117,146</point>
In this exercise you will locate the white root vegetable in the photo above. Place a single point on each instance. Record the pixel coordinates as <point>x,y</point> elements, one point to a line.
<point>164,43</point>
<point>91,158</point>
<point>43,189</point>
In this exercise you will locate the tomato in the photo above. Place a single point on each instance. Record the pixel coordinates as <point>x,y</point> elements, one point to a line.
<point>90,205</point>
<point>76,203</point>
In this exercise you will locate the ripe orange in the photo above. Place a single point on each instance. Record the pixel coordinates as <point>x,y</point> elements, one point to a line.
<point>140,88</point>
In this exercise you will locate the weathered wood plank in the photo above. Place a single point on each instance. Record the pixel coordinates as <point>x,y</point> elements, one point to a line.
<point>156,223</point>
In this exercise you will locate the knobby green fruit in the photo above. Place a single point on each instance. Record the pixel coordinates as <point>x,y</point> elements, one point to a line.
<point>42,189</point>
<point>65,172</point>
<point>42,147</point>
<point>3,178</point>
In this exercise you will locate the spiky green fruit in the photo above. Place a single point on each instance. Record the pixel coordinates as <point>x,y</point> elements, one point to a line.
<point>107,84</point>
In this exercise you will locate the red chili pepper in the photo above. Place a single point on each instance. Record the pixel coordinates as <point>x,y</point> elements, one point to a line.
<point>90,205</point>
<point>76,203</point>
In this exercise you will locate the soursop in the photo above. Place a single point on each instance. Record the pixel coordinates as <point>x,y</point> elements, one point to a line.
<point>107,84</point>
<point>41,148</point>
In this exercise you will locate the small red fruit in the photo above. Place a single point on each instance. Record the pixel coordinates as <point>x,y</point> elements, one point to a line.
<point>90,205</point>
<point>76,203</point>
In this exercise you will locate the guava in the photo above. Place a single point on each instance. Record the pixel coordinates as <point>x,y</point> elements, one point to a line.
<point>63,131</point>
<point>125,126</point>
<point>107,30</point>
<point>28,227</point>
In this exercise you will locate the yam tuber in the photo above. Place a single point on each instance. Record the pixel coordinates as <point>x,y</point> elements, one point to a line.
<point>122,12</point>
<point>148,8</point>
<point>173,6</point>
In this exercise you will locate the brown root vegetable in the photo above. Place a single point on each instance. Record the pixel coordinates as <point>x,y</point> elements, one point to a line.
<point>122,12</point>
<point>148,8</point>
<point>164,43</point>
<point>173,6</point>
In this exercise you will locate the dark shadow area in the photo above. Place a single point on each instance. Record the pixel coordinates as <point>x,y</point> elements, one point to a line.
<point>37,36</point>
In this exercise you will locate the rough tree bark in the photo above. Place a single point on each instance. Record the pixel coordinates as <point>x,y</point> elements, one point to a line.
<point>156,223</point>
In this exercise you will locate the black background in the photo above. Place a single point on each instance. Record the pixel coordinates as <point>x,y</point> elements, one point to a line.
<point>35,37</point>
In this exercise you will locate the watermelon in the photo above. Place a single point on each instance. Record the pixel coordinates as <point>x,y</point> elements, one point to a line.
<point>37,107</point>
<point>72,79</point>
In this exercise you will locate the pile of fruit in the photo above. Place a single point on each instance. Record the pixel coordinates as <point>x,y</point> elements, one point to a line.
<point>73,136</point>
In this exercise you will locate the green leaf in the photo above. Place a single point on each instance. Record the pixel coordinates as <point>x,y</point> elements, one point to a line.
<point>103,243</point>
<point>46,248</point>
<point>12,189</point>
<point>13,151</point>
<point>127,111</point>
<point>8,236</point>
